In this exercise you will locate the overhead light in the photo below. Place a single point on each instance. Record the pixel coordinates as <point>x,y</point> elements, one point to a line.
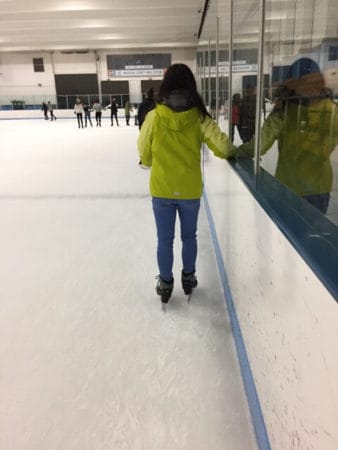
<point>106,37</point>
<point>74,6</point>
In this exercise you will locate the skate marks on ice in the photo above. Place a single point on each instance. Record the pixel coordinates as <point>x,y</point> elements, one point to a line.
<point>82,329</point>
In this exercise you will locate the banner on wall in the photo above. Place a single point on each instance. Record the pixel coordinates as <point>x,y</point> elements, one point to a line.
<point>237,66</point>
<point>148,65</point>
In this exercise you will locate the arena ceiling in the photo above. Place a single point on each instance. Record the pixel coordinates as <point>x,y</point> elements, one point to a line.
<point>98,24</point>
<point>121,24</point>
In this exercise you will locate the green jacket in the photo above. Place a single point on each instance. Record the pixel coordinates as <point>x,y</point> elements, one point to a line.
<point>128,107</point>
<point>170,143</point>
<point>307,135</point>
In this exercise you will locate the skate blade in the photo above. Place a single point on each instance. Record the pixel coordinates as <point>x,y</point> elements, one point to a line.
<point>189,296</point>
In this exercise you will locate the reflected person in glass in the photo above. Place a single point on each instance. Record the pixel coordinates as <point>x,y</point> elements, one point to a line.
<point>248,113</point>
<point>304,121</point>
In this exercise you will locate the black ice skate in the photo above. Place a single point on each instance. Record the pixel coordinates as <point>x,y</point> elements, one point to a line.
<point>164,290</point>
<point>189,282</point>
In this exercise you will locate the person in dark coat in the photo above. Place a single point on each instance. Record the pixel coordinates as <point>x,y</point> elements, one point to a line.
<point>235,116</point>
<point>147,105</point>
<point>248,114</point>
<point>113,111</point>
<point>44,108</point>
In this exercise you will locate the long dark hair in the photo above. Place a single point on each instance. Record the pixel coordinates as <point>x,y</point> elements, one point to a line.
<point>178,77</point>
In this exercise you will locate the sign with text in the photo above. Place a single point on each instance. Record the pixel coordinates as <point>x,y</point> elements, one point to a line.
<point>238,66</point>
<point>151,64</point>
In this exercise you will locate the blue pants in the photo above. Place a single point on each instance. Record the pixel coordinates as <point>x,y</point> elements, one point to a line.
<point>319,201</point>
<point>165,217</point>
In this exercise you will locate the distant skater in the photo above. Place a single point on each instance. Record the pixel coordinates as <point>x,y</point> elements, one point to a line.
<point>78,110</point>
<point>51,112</point>
<point>127,110</point>
<point>44,108</point>
<point>135,115</point>
<point>87,111</point>
<point>113,111</point>
<point>98,108</point>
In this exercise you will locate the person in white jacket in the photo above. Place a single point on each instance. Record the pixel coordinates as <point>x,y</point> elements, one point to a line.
<point>78,110</point>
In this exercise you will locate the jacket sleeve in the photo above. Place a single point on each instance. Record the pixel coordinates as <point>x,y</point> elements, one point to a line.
<point>145,140</point>
<point>335,124</point>
<point>216,140</point>
<point>270,131</point>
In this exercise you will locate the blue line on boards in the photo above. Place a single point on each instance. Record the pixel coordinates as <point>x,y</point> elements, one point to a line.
<point>249,384</point>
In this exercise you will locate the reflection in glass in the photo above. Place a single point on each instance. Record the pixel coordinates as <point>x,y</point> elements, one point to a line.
<point>236,119</point>
<point>304,121</point>
<point>302,129</point>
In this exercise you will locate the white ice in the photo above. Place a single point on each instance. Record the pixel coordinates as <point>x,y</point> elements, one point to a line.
<point>88,358</point>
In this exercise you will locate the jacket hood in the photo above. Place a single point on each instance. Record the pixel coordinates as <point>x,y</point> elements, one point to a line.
<point>174,120</point>
<point>179,100</point>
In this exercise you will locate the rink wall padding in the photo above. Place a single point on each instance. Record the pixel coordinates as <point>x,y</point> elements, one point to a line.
<point>286,317</point>
<point>37,114</point>
<point>248,380</point>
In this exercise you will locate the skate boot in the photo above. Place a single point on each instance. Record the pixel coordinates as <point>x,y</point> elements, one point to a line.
<point>189,282</point>
<point>164,289</point>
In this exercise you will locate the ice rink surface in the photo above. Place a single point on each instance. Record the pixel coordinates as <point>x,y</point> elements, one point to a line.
<point>88,359</point>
